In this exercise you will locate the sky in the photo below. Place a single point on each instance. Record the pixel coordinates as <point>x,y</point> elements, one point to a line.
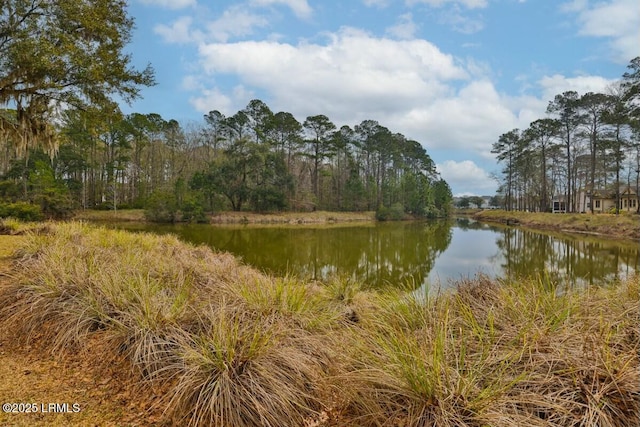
<point>451,74</point>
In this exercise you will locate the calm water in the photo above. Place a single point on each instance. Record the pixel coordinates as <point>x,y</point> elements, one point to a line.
<point>420,253</point>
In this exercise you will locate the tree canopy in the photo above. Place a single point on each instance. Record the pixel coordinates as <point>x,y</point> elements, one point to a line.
<point>62,54</point>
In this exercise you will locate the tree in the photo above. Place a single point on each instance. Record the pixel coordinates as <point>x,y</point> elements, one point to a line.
<point>321,147</point>
<point>617,117</point>
<point>287,135</point>
<point>541,133</point>
<point>260,119</point>
<point>593,106</point>
<point>214,132</point>
<point>631,86</point>
<point>476,200</point>
<point>567,108</point>
<point>507,150</point>
<point>442,198</point>
<point>62,53</point>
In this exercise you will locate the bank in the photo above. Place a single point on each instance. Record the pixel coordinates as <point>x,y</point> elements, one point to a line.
<point>205,340</point>
<point>623,226</point>
<point>230,217</point>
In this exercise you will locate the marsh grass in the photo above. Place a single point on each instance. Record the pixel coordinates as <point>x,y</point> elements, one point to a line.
<point>229,346</point>
<point>515,353</point>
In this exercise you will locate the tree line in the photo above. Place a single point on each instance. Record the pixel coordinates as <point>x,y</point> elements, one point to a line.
<point>65,144</point>
<point>586,144</point>
<point>253,160</point>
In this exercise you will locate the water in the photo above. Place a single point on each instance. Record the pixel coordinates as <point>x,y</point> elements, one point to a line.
<point>434,253</point>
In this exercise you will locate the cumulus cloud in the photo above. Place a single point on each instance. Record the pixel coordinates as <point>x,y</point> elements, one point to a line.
<point>376,3</point>
<point>471,120</point>
<point>299,7</point>
<point>353,72</point>
<point>470,4</point>
<point>178,32</point>
<point>460,22</point>
<point>235,22</point>
<point>616,20</point>
<point>409,86</point>
<point>557,84</point>
<point>214,99</point>
<point>466,177</point>
<point>170,4</point>
<point>404,29</point>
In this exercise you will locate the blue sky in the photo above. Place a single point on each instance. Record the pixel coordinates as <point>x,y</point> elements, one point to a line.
<point>451,74</point>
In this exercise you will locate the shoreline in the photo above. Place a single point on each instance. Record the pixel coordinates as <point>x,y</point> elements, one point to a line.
<point>230,217</point>
<point>623,226</point>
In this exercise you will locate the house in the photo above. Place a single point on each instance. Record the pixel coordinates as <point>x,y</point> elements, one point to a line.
<point>605,200</point>
<point>559,202</point>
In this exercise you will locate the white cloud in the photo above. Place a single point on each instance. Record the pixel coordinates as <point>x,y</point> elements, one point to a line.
<point>170,4</point>
<point>178,32</point>
<point>236,21</point>
<point>405,28</point>
<point>471,120</point>
<point>557,84</point>
<point>616,20</point>
<point>299,7</point>
<point>467,178</point>
<point>460,22</point>
<point>410,86</point>
<point>470,4</point>
<point>214,99</point>
<point>353,73</point>
<point>377,3</point>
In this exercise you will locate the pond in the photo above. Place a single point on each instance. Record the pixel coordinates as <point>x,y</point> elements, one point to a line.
<point>433,253</point>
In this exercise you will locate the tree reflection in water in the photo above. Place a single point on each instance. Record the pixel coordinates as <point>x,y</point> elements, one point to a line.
<point>415,253</point>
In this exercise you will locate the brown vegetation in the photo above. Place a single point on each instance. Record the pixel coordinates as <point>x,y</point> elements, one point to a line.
<point>625,226</point>
<point>213,342</point>
<point>292,218</point>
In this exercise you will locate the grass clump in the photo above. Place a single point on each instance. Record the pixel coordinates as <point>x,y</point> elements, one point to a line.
<point>519,353</point>
<point>183,316</point>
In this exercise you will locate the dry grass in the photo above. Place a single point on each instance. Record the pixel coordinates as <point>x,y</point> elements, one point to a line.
<point>181,315</point>
<point>224,345</point>
<point>136,215</point>
<point>626,225</point>
<point>293,218</point>
<point>316,217</point>
<point>513,354</point>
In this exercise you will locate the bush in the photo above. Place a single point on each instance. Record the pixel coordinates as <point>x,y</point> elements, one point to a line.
<point>393,213</point>
<point>21,210</point>
<point>55,204</point>
<point>161,206</point>
<point>193,211</point>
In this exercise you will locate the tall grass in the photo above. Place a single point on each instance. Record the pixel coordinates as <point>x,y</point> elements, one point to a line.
<point>522,353</point>
<point>229,346</point>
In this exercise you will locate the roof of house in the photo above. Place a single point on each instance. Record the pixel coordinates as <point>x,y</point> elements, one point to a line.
<point>610,193</point>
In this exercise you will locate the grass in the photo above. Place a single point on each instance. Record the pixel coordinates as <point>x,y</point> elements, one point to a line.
<point>225,345</point>
<point>625,225</point>
<point>316,217</point>
<point>136,215</point>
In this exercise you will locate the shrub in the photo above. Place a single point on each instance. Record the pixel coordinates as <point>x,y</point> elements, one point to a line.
<point>393,213</point>
<point>161,206</point>
<point>21,210</point>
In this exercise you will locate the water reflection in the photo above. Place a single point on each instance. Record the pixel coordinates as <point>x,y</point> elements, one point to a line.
<point>386,253</point>
<point>577,260</point>
<point>418,253</point>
